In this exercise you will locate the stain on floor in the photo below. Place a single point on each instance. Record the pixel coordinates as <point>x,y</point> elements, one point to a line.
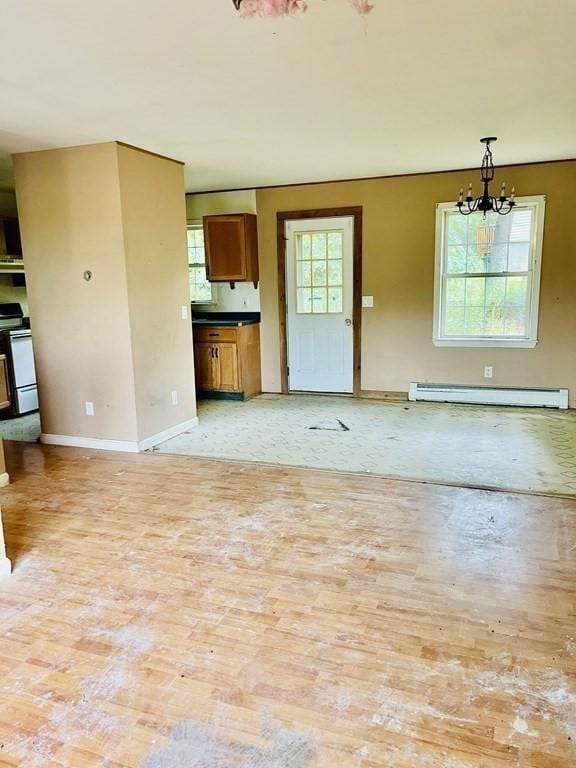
<point>192,745</point>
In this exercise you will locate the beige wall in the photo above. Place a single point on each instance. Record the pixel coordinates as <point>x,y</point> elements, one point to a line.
<point>243,297</point>
<point>398,270</point>
<point>154,224</point>
<point>77,212</point>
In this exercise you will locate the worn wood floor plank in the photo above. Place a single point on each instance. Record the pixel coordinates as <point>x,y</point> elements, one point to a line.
<point>393,625</point>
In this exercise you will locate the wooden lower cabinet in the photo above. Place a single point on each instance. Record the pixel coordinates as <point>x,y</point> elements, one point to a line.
<point>203,365</point>
<point>227,361</point>
<point>227,375</point>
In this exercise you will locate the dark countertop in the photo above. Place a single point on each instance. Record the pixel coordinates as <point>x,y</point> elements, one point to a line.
<point>226,319</point>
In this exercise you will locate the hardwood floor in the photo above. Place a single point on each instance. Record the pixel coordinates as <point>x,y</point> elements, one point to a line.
<point>169,611</point>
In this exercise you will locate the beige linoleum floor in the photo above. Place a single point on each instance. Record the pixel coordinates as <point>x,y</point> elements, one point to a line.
<point>521,449</point>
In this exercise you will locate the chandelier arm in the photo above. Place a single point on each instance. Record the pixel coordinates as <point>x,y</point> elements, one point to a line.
<point>505,207</point>
<point>471,205</point>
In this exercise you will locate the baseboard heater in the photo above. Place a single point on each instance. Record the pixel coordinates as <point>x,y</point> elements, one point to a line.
<point>521,396</point>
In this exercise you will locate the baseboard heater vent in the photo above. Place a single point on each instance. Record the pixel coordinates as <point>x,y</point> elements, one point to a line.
<point>452,393</point>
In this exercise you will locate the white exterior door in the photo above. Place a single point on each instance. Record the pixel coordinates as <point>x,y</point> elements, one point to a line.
<point>319,299</point>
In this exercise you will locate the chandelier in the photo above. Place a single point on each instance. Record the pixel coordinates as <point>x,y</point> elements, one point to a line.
<point>487,202</point>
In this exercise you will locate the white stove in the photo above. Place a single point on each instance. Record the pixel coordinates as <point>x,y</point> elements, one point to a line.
<point>16,344</point>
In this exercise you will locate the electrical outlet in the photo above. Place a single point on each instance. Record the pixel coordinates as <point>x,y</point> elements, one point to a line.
<point>89,408</point>
<point>488,372</point>
<point>184,312</point>
<point>174,397</point>
<point>367,301</point>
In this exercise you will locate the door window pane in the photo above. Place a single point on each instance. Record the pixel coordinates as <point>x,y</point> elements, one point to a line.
<point>319,245</point>
<point>335,272</point>
<point>304,272</point>
<point>305,247</point>
<point>335,300</point>
<point>319,273</point>
<point>304,300</point>
<point>319,300</point>
<point>335,245</point>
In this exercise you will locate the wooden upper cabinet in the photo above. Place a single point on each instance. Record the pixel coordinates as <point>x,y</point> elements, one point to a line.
<point>231,243</point>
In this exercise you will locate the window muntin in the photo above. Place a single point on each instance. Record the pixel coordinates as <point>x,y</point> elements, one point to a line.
<point>487,276</point>
<point>319,272</point>
<point>201,290</point>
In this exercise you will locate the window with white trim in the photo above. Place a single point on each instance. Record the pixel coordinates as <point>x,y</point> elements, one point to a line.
<point>201,290</point>
<point>487,283</point>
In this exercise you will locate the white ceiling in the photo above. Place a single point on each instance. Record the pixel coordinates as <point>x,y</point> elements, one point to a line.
<point>320,95</point>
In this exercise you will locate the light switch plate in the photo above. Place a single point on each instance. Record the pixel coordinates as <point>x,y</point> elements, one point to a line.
<point>367,301</point>
<point>184,312</point>
<point>174,397</point>
<point>488,372</point>
<point>89,408</point>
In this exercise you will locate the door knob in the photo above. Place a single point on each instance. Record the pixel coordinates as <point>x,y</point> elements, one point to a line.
<point>348,321</point>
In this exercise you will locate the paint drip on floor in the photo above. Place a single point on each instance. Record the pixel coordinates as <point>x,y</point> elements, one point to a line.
<point>194,746</point>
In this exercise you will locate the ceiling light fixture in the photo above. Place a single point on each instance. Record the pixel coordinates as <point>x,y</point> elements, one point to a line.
<point>486,203</point>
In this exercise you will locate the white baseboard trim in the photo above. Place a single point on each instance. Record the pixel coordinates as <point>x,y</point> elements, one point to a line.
<point>4,479</point>
<point>125,446</point>
<point>5,568</point>
<point>167,434</point>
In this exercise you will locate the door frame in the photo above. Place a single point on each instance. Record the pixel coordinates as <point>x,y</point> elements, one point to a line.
<point>356,212</point>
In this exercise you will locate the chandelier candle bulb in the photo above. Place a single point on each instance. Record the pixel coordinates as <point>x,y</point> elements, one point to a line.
<point>469,194</point>
<point>503,191</point>
<point>461,195</point>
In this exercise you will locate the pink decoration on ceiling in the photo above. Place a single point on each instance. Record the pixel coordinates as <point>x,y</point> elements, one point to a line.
<point>271,7</point>
<point>363,7</point>
<point>276,8</point>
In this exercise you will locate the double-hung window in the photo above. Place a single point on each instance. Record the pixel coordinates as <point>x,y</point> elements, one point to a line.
<point>488,276</point>
<point>201,291</point>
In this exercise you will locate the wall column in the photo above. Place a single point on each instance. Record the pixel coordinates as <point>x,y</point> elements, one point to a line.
<point>104,237</point>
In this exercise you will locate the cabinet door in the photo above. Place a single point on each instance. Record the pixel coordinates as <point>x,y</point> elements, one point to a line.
<point>204,366</point>
<point>4,387</point>
<point>227,373</point>
<point>225,242</point>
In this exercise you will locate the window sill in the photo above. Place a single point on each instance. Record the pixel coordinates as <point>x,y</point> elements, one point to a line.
<point>471,343</point>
